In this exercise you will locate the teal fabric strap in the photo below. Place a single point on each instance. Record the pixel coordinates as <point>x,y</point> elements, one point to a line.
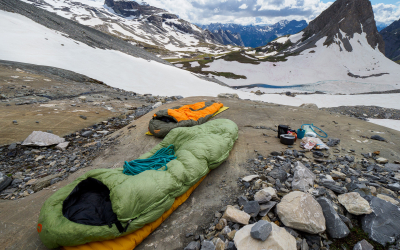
<point>155,162</point>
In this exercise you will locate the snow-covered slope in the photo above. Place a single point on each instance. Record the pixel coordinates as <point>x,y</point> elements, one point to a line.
<point>29,42</point>
<point>340,51</point>
<point>320,67</point>
<point>143,25</point>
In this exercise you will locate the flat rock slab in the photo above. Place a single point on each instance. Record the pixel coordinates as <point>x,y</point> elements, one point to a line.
<point>42,139</point>
<point>383,224</point>
<point>335,227</point>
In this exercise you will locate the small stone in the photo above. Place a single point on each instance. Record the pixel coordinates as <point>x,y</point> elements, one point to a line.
<point>382,160</point>
<point>332,142</point>
<point>12,146</point>
<point>231,235</point>
<point>230,246</point>
<point>242,200</point>
<point>363,245</point>
<point>73,169</point>
<point>354,203</point>
<point>279,239</point>
<point>194,245</point>
<point>235,215</point>
<point>44,182</point>
<point>265,208</point>
<point>87,133</point>
<point>207,245</point>
<point>262,196</point>
<point>250,178</point>
<point>83,117</point>
<point>378,138</point>
<point>394,187</point>
<point>30,182</point>
<point>252,208</point>
<point>62,146</point>
<point>226,230</point>
<point>301,211</point>
<point>221,224</point>
<point>15,122</point>
<point>261,230</point>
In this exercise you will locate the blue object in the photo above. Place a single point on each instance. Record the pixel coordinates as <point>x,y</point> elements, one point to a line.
<point>301,133</point>
<point>312,128</point>
<point>155,162</point>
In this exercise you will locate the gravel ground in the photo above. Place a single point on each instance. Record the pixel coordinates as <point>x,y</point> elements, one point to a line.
<point>364,112</point>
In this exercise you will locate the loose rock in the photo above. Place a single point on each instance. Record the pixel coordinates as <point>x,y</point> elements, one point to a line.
<point>363,245</point>
<point>235,215</point>
<point>383,223</point>
<point>335,227</point>
<point>300,211</point>
<point>279,239</point>
<point>303,178</point>
<point>354,203</point>
<point>261,230</point>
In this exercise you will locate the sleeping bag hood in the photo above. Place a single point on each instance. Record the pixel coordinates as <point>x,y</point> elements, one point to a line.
<point>104,204</point>
<point>182,116</point>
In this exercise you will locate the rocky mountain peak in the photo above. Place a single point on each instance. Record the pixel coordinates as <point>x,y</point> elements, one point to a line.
<point>129,8</point>
<point>345,16</point>
<point>391,36</point>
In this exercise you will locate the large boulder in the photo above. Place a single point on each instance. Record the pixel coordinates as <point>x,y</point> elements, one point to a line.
<point>354,203</point>
<point>42,139</point>
<point>303,178</point>
<point>301,211</point>
<point>279,239</point>
<point>383,223</point>
<point>335,227</point>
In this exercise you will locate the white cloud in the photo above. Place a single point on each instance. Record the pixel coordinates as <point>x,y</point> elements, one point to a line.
<point>386,13</point>
<point>242,11</point>
<point>243,6</point>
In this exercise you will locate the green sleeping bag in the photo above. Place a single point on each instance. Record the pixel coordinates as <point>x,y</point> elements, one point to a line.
<point>143,198</point>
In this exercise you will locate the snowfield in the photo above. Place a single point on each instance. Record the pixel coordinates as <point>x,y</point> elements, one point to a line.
<point>26,41</point>
<point>320,65</point>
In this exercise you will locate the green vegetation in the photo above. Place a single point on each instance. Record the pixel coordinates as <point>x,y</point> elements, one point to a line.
<point>356,235</point>
<point>398,62</point>
<point>237,56</point>
<point>203,64</point>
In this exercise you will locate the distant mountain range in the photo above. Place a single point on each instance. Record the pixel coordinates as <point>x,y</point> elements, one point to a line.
<point>254,35</point>
<point>391,36</point>
<point>380,27</point>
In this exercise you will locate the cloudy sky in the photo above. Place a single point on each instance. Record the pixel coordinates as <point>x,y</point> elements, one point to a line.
<point>263,11</point>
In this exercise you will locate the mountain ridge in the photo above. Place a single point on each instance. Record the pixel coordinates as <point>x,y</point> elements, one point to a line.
<point>259,35</point>
<point>391,36</point>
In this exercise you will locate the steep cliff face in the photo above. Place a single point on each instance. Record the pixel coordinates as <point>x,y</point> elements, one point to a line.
<point>391,36</point>
<point>227,37</point>
<point>159,17</point>
<point>340,22</point>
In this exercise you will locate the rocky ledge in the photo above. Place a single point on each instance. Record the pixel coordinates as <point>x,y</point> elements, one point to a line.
<point>310,200</point>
